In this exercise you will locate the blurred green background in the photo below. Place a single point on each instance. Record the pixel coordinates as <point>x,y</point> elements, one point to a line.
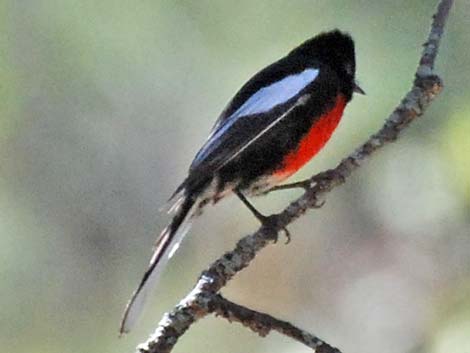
<point>103,106</point>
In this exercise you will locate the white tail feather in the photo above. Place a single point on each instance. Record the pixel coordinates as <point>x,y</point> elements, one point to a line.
<point>165,247</point>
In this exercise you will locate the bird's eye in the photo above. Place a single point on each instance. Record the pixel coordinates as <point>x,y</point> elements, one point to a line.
<point>349,69</point>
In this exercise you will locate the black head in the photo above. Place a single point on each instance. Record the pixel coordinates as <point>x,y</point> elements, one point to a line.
<point>335,49</point>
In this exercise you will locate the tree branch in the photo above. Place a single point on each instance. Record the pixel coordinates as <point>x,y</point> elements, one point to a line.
<point>262,324</point>
<point>204,299</point>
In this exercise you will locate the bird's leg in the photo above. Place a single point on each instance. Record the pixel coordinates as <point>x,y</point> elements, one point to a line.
<point>308,183</point>
<point>304,184</point>
<point>265,220</point>
<point>261,217</point>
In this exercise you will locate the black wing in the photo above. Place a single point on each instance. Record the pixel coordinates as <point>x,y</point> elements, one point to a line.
<point>261,103</point>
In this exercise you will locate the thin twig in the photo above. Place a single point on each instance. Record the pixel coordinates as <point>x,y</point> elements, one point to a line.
<point>204,299</point>
<point>263,324</point>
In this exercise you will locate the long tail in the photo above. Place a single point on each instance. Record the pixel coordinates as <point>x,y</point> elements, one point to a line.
<point>172,234</point>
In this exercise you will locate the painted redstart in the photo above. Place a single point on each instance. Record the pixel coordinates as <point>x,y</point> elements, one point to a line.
<point>275,124</point>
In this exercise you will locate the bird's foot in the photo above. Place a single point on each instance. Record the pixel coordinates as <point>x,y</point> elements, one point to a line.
<point>327,175</point>
<point>271,222</point>
<point>308,183</point>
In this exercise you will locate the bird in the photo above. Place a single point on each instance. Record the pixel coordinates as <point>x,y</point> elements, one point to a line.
<point>276,122</point>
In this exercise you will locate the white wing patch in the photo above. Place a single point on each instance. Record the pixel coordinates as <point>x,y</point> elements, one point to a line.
<point>262,101</point>
<point>276,93</point>
<point>301,101</point>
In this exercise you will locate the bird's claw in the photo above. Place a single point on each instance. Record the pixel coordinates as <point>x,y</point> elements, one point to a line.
<point>287,234</point>
<point>327,175</point>
<point>270,222</point>
<point>307,183</point>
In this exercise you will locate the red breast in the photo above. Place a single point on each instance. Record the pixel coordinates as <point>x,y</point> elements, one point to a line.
<point>313,141</point>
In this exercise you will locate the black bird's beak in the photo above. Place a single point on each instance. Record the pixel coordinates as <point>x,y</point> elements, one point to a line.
<point>358,89</point>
